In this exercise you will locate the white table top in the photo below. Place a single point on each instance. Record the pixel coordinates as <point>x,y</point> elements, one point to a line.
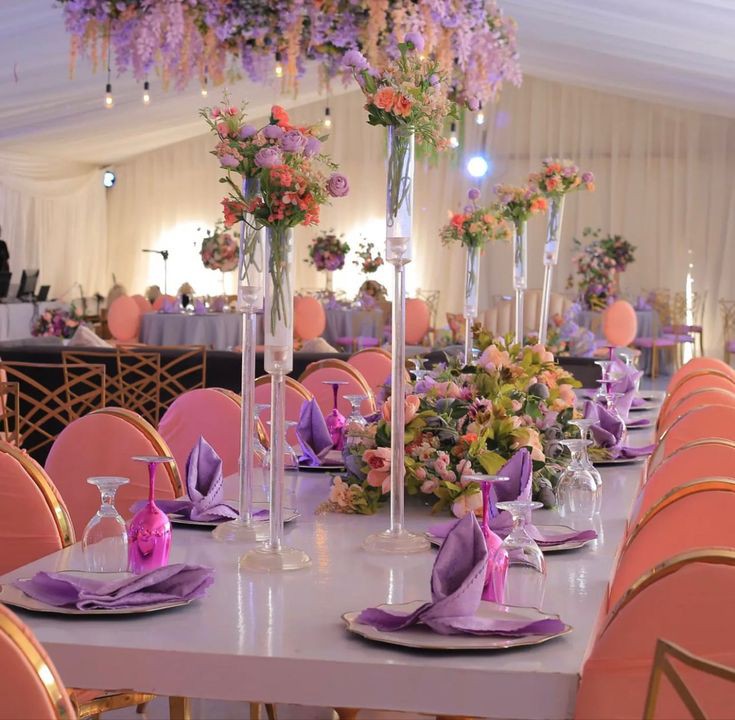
<point>280,638</point>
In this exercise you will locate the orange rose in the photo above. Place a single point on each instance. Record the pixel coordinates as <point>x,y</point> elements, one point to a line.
<point>458,220</point>
<point>551,183</point>
<point>402,106</point>
<point>591,186</point>
<point>384,99</point>
<point>410,408</point>
<point>280,116</point>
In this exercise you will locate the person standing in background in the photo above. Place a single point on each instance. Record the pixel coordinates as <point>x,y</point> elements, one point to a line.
<point>4,254</point>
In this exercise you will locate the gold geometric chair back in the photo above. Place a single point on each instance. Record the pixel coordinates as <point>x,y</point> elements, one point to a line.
<point>431,297</point>
<point>728,319</point>
<point>10,413</point>
<point>720,700</point>
<point>50,396</point>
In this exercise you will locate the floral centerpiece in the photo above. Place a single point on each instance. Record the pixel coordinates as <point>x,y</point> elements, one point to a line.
<point>57,322</point>
<point>327,252</point>
<point>460,420</point>
<point>220,250</point>
<point>368,261</point>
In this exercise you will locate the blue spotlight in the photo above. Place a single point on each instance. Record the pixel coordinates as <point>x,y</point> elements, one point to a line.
<point>478,166</point>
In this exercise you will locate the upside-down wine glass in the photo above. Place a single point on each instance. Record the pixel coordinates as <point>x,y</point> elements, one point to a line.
<point>419,369</point>
<point>105,539</point>
<point>356,423</point>
<point>526,574</point>
<point>335,419</point>
<point>149,532</point>
<point>584,425</point>
<point>577,494</point>
<point>605,368</point>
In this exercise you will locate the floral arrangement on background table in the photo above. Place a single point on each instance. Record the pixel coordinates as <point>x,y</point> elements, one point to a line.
<point>208,41</point>
<point>368,262</point>
<point>220,250</point>
<point>327,253</point>
<point>463,419</point>
<point>598,265</point>
<point>57,322</point>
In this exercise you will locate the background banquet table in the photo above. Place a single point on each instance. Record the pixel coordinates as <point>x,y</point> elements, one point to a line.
<point>353,322</point>
<point>279,638</point>
<point>16,318</point>
<point>218,331</point>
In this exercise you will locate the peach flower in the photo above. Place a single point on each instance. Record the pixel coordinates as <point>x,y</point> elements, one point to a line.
<point>467,503</point>
<point>448,389</point>
<point>402,106</point>
<point>378,461</point>
<point>493,358</point>
<point>384,99</point>
<point>411,407</point>
<point>544,354</point>
<point>529,437</point>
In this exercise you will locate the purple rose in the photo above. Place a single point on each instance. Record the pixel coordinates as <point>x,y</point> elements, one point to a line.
<point>247,131</point>
<point>228,161</point>
<point>272,132</point>
<point>268,157</point>
<point>468,210</point>
<point>355,60</point>
<point>293,141</point>
<point>416,39</point>
<point>312,147</point>
<point>473,194</point>
<point>337,185</point>
<point>473,104</point>
<point>588,177</point>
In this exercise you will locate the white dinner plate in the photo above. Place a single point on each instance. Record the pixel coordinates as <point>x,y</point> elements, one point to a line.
<point>648,426</point>
<point>646,407</point>
<point>620,461</point>
<point>289,514</point>
<point>321,468</point>
<point>548,530</point>
<point>420,636</point>
<point>11,595</point>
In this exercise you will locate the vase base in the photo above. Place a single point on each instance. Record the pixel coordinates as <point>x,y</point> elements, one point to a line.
<point>235,531</point>
<point>264,559</point>
<point>396,543</point>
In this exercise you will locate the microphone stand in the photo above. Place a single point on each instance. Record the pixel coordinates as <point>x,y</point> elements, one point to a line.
<point>164,255</point>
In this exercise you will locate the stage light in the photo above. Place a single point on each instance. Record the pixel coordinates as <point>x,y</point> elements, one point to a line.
<point>478,166</point>
<point>204,91</point>
<point>146,93</point>
<point>279,68</point>
<point>108,178</point>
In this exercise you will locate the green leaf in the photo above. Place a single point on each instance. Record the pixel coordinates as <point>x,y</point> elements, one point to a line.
<point>491,462</point>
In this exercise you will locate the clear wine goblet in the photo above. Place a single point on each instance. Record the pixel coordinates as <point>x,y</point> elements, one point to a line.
<point>105,539</point>
<point>584,425</point>
<point>577,494</point>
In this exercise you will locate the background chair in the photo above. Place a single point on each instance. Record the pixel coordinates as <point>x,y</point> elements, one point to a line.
<point>10,413</point>
<point>142,303</point>
<point>418,321</point>
<point>619,323</point>
<point>309,318</point>
<point>374,364</point>
<point>681,404</point>
<point>296,394</point>
<point>317,373</point>
<point>161,299</point>
<point>123,319</point>
<point>103,443</point>
<point>680,325</point>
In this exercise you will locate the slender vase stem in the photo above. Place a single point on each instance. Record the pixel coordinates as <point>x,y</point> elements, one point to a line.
<point>551,258</point>
<point>545,303</point>
<point>278,429</point>
<point>520,279</point>
<point>247,417</point>
<point>397,399</point>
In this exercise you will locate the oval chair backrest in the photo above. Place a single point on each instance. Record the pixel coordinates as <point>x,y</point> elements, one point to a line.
<point>693,516</point>
<point>681,404</point>
<point>695,459</point>
<point>684,600</point>
<point>143,304</point>
<point>103,443</point>
<point>33,518</point>
<point>123,319</point>
<point>309,318</point>
<point>374,364</point>
<point>30,686</point>
<point>699,364</point>
<point>418,320</point>
<point>620,323</point>
<point>161,299</point>
<point>211,413</point>
<point>296,395</point>
<point>315,375</point>
<point>696,380</point>
<point>709,421</point>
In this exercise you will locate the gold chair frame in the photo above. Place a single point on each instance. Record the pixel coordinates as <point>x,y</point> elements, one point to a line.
<point>10,412</point>
<point>728,319</point>
<point>673,404</point>
<point>336,364</point>
<point>290,382</point>
<point>693,443</point>
<point>683,380</point>
<point>663,667</point>
<point>678,307</point>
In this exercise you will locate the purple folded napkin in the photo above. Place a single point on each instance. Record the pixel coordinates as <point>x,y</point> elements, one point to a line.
<point>607,433</point>
<point>626,383</point>
<point>200,308</point>
<point>312,434</point>
<point>219,303</point>
<point>171,306</point>
<point>169,583</point>
<point>204,489</point>
<point>457,581</point>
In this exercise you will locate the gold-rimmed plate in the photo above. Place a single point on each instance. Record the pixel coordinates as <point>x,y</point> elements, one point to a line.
<point>420,636</point>
<point>619,461</point>
<point>548,531</point>
<point>289,514</point>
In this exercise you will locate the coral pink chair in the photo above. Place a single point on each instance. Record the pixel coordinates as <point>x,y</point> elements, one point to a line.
<point>693,516</point>
<point>696,380</point>
<point>693,460</point>
<point>374,364</point>
<point>296,393</point>
<point>161,299</point>
<point>620,323</point>
<point>142,303</point>
<point>123,319</point>
<point>103,443</point>
<point>211,413</point>
<point>418,321</point>
<point>686,600</point>
<point>33,518</point>
<point>683,402</point>
<point>30,686</point>
<point>317,373</point>
<point>709,421</point>
<point>701,363</point>
<point>309,318</point>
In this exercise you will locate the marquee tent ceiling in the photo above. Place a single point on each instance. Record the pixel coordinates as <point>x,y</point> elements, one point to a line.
<point>679,52</point>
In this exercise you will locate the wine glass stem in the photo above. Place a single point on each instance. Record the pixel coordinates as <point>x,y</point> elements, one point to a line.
<point>335,389</point>
<point>151,482</point>
<point>278,417</point>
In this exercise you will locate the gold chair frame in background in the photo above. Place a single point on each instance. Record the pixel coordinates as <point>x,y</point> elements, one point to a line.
<point>10,412</point>
<point>663,667</point>
<point>724,392</point>
<point>336,364</point>
<point>728,319</point>
<point>678,311</point>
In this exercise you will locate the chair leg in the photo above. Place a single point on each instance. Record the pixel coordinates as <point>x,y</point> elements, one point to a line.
<point>270,711</point>
<point>254,711</point>
<point>179,708</point>
<point>140,709</point>
<point>347,713</point>
<point>654,361</point>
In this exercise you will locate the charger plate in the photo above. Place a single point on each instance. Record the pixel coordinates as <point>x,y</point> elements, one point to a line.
<point>545,549</point>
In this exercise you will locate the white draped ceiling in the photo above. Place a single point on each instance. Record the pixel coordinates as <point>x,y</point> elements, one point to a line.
<point>640,92</point>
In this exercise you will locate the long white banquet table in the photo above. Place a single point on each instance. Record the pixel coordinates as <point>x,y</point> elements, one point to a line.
<point>280,638</point>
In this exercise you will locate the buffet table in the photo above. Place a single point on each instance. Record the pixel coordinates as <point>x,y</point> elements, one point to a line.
<point>17,318</point>
<point>280,638</point>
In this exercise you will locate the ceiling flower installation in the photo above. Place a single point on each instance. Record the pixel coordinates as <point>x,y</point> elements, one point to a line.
<point>214,40</point>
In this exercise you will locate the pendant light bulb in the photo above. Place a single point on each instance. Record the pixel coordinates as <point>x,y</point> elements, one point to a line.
<point>453,139</point>
<point>480,117</point>
<point>279,66</point>
<point>204,90</point>
<point>327,117</point>
<point>109,101</point>
<point>146,93</point>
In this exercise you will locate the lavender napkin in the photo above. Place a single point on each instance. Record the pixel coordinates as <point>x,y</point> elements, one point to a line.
<point>204,488</point>
<point>457,581</point>
<point>626,384</point>
<point>200,308</point>
<point>608,433</point>
<point>166,584</point>
<point>171,306</point>
<point>312,433</point>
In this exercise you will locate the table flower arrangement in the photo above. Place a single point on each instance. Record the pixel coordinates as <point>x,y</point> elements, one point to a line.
<point>220,250</point>
<point>57,322</point>
<point>327,252</point>
<point>464,419</point>
<point>520,202</point>
<point>558,177</point>
<point>475,226</point>
<point>368,262</point>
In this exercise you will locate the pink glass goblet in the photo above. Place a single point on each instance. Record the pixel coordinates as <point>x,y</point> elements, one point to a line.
<point>149,531</point>
<point>336,420</point>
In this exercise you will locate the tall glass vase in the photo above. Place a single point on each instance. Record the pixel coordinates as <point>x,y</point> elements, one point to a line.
<point>471,299</point>
<point>551,258</point>
<point>273,555</point>
<point>398,228</point>
<point>520,273</point>
<point>250,272</point>
<point>329,281</point>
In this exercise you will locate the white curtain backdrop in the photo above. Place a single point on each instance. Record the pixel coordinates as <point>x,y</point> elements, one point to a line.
<point>663,182</point>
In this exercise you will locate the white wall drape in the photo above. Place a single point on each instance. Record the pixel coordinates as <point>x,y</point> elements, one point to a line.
<point>663,182</point>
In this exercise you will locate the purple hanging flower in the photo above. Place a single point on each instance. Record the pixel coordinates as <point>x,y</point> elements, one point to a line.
<point>312,147</point>
<point>355,60</point>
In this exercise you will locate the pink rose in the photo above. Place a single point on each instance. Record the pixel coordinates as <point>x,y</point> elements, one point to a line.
<point>337,185</point>
<point>493,358</point>
<point>411,407</point>
<point>378,461</point>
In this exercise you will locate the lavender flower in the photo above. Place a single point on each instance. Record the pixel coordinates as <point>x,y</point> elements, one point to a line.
<point>293,141</point>
<point>588,177</point>
<point>416,39</point>
<point>337,185</point>
<point>268,157</point>
<point>247,131</point>
<point>355,60</point>
<point>273,132</point>
<point>473,194</point>
<point>312,147</point>
<point>228,161</point>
